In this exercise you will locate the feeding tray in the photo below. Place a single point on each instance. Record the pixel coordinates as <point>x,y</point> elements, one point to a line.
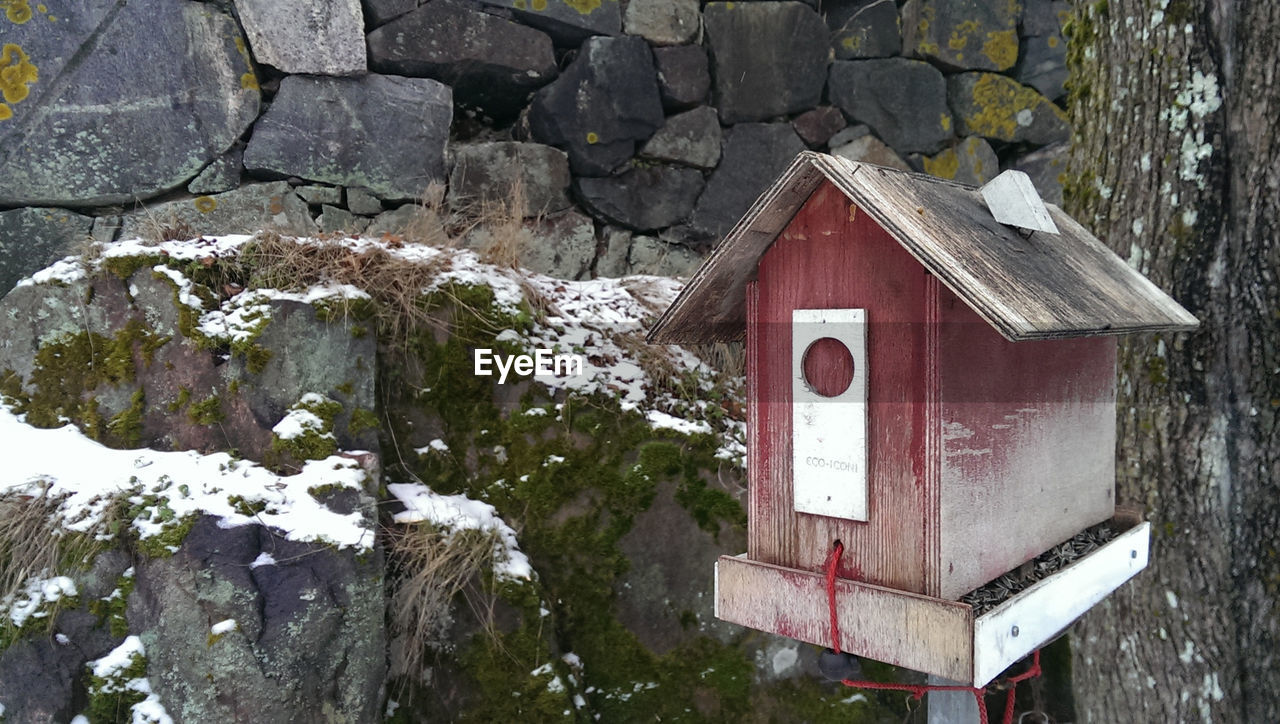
<point>933,635</point>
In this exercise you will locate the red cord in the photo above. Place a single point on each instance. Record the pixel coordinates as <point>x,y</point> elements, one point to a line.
<point>918,691</point>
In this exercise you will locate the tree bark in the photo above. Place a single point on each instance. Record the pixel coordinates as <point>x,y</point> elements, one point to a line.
<point>1176,163</point>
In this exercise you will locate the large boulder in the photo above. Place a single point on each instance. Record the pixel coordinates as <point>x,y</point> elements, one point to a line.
<point>753,157</point>
<point>490,173</point>
<point>691,138</point>
<point>769,58</point>
<point>568,22</point>
<point>116,102</point>
<point>864,28</point>
<point>601,106</point>
<point>321,37</point>
<point>252,207</point>
<point>684,77</point>
<point>1043,62</point>
<point>221,175</point>
<point>377,12</point>
<point>963,34</point>
<point>869,149</point>
<point>308,643</point>
<point>903,101</point>
<point>385,133</point>
<point>643,198</point>
<point>664,22</point>
<point>33,238</point>
<point>492,64</point>
<point>1000,108</point>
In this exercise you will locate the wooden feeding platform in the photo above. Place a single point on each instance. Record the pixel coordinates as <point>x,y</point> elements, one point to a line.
<point>932,635</point>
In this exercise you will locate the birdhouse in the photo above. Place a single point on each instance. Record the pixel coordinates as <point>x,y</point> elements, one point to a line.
<point>931,383</point>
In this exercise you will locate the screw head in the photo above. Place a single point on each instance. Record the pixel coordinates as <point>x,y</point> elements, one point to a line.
<point>1133,554</point>
<point>1014,632</point>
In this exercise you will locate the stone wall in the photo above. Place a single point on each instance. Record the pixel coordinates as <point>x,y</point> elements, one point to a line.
<point>638,131</point>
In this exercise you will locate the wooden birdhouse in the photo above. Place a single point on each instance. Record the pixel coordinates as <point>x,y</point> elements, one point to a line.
<point>931,382</point>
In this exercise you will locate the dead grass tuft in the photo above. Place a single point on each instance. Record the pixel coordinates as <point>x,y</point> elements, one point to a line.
<point>431,567</point>
<point>33,544</point>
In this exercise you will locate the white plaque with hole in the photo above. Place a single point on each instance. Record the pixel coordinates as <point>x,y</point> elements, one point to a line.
<point>829,412</point>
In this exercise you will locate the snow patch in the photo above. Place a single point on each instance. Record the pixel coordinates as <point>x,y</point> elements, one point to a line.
<point>452,513</point>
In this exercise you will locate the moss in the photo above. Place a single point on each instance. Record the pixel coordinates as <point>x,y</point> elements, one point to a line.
<point>124,267</point>
<point>255,356</point>
<point>169,539</point>
<point>331,310</point>
<point>247,507</point>
<point>361,420</point>
<point>207,411</point>
<point>111,610</point>
<point>312,444</point>
<point>110,699</point>
<point>126,427</point>
<point>182,400</point>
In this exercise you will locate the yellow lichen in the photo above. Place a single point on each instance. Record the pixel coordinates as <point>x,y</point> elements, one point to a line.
<point>18,11</point>
<point>249,81</point>
<point>539,5</point>
<point>584,7</point>
<point>960,36</point>
<point>943,165</point>
<point>850,43</point>
<point>1001,48</point>
<point>1053,41</point>
<point>205,204</point>
<point>519,5</point>
<point>592,137</point>
<point>998,100</point>
<point>5,112</point>
<point>16,73</point>
<point>945,122</point>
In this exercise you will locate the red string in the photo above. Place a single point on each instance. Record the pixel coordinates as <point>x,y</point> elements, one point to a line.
<point>918,691</point>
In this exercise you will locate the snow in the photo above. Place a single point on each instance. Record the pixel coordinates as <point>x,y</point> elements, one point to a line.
<point>298,422</point>
<point>38,593</point>
<point>63,461</point>
<point>263,559</point>
<point>453,513</point>
<point>223,627</point>
<point>660,419</point>
<point>112,668</point>
<point>436,445</point>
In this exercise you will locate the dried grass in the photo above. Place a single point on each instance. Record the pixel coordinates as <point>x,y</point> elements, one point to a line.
<point>431,567</point>
<point>34,544</point>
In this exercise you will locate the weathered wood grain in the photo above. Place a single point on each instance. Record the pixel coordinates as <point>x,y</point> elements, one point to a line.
<point>904,629</point>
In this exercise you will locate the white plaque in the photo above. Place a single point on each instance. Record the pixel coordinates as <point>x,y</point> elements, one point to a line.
<point>829,433</point>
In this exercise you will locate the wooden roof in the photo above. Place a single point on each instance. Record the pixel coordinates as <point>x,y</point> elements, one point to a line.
<point>1041,287</point>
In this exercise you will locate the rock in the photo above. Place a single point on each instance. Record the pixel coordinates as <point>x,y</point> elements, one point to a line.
<point>1043,64</point>
<point>864,28</point>
<point>568,22</point>
<point>309,643</point>
<point>665,584</point>
<point>112,129</point>
<point>316,195</point>
<point>664,22</point>
<point>684,78</point>
<point>817,126</point>
<point>362,202</point>
<point>661,258</point>
<point>40,676</point>
<point>601,106</point>
<point>642,198</point>
<point>869,149</point>
<point>691,138</point>
<point>613,262</point>
<point>488,173</point>
<point>243,211</point>
<point>1047,168</point>
<point>769,58</point>
<point>970,162</point>
<point>333,219</point>
<point>850,133</point>
<point>753,157</point>
<point>492,64</point>
<point>385,133</point>
<point>320,37</point>
<point>377,12</point>
<point>33,238</point>
<point>561,245</point>
<point>223,174</point>
<point>400,222</point>
<point>963,34</point>
<point>903,101</point>
<point>1000,108</point>
<point>106,228</point>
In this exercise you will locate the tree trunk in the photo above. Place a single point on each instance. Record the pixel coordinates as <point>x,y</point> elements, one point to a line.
<point>1176,163</point>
